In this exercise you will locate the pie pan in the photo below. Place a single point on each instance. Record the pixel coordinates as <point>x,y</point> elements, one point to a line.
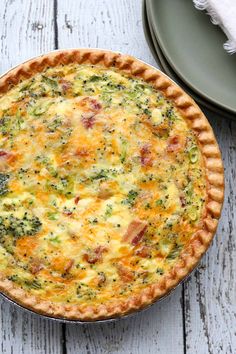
<point>65,320</point>
<point>195,121</point>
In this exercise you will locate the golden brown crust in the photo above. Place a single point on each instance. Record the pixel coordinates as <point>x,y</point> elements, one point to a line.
<point>214,172</point>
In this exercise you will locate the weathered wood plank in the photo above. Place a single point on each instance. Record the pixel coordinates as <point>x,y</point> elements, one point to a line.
<point>26,30</point>
<point>210,293</point>
<point>117,25</point>
<point>23,333</point>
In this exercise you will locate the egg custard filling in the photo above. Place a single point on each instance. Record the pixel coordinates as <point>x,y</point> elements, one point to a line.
<point>102,185</point>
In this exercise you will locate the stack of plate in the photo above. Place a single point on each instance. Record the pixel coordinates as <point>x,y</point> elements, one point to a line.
<point>189,49</point>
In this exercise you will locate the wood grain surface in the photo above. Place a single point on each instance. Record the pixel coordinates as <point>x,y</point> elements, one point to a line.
<point>199,316</point>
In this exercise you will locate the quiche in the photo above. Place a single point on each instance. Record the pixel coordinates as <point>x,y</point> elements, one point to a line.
<point>111,184</point>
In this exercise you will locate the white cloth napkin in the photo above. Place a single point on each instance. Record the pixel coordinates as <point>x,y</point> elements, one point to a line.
<point>223,13</point>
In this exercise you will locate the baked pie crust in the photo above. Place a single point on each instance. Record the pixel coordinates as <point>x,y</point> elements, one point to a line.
<point>198,243</point>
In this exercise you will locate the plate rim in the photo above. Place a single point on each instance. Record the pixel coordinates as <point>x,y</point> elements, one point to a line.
<point>150,4</point>
<point>159,56</point>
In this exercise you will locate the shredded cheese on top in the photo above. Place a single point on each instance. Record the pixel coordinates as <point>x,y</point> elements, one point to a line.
<point>102,184</point>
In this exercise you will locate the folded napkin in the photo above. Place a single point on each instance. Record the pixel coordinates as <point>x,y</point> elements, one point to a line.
<point>223,13</point>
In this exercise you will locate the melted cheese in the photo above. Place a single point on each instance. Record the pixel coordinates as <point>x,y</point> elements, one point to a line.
<point>85,151</point>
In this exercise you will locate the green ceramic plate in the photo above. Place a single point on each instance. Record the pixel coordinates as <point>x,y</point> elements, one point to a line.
<point>163,64</point>
<point>193,48</point>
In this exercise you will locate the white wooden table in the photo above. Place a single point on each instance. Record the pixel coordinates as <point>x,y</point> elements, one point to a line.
<point>200,316</point>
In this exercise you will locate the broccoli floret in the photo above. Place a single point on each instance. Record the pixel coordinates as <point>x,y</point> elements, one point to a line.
<point>170,113</point>
<point>32,284</point>
<point>5,125</point>
<point>95,78</point>
<point>131,196</point>
<point>102,174</point>
<point>16,227</point>
<point>4,183</point>
<point>3,229</point>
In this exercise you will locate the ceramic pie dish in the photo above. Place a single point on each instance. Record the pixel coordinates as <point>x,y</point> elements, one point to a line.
<point>111,184</point>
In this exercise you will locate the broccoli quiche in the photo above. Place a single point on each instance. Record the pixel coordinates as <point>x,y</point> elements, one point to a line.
<point>111,184</point>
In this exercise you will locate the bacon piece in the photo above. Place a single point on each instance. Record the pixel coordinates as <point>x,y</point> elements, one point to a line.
<point>82,152</point>
<point>95,105</point>
<point>68,265</point>
<point>67,212</point>
<point>91,104</point>
<point>146,156</point>
<point>135,231</point>
<point>88,120</point>
<point>175,143</point>
<point>91,107</point>
<point>36,265</point>
<point>125,274</point>
<point>144,252</point>
<point>9,156</point>
<point>101,279</point>
<point>65,85</point>
<point>182,200</point>
<point>77,199</point>
<point>6,158</point>
<point>95,255</point>
<point>3,153</point>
